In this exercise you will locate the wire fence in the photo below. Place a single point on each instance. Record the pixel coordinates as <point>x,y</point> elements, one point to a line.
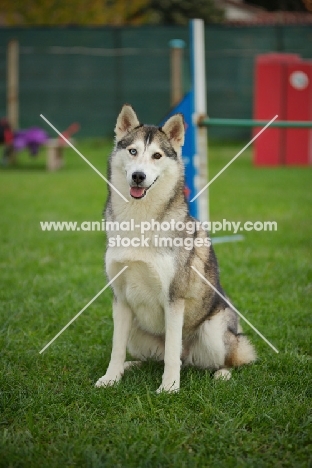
<point>86,74</point>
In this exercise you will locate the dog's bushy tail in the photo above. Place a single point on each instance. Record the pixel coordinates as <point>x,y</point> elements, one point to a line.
<point>242,352</point>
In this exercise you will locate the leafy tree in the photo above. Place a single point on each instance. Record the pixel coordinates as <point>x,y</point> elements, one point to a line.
<point>181,11</point>
<point>101,12</point>
<point>283,5</point>
<point>69,12</point>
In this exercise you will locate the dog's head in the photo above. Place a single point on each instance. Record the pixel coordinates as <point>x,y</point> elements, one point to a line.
<point>148,153</point>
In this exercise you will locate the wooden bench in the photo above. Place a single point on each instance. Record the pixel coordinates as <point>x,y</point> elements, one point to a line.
<point>55,153</point>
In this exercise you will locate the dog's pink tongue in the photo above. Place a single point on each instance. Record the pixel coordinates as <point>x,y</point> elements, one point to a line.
<point>137,192</point>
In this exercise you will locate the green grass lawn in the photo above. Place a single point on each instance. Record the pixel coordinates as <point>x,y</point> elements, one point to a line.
<point>51,413</point>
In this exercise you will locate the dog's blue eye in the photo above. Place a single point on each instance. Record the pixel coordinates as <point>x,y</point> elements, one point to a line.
<point>157,155</point>
<point>133,151</point>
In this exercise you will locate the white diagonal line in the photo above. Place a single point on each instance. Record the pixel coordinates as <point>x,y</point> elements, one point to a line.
<point>82,310</point>
<point>234,308</point>
<point>232,160</point>
<point>85,159</point>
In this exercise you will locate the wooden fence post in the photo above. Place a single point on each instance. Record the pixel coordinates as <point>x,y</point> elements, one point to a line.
<point>176,59</point>
<point>12,84</point>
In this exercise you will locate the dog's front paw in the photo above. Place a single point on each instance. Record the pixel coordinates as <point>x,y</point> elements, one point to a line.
<point>171,387</point>
<point>106,382</point>
<point>108,379</point>
<point>171,379</point>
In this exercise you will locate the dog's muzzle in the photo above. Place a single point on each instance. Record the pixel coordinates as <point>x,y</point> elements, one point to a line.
<point>137,191</point>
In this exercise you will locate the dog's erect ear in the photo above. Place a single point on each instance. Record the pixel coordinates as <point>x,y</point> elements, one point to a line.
<point>174,129</point>
<point>127,121</point>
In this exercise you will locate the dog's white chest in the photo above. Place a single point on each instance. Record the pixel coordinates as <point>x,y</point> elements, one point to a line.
<point>144,285</point>
<point>143,291</point>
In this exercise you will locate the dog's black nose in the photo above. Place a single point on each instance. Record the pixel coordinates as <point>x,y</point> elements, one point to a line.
<point>138,177</point>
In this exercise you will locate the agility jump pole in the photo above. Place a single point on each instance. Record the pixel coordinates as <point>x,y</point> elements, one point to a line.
<point>207,122</point>
<point>198,70</point>
<point>198,96</point>
<point>200,120</point>
<point>194,108</point>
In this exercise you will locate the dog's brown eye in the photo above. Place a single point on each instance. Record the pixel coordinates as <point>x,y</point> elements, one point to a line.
<point>133,151</point>
<point>157,155</point>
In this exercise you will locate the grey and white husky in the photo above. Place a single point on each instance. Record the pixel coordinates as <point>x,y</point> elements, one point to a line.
<point>162,308</point>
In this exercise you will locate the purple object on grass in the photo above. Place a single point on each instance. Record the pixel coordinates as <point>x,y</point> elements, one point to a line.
<point>32,138</point>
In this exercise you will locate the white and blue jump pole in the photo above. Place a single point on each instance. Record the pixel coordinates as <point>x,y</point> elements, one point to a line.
<point>192,106</point>
<point>195,150</point>
<point>198,70</point>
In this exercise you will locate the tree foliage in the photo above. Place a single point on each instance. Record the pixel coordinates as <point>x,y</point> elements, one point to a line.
<point>69,12</point>
<point>106,12</point>
<point>282,5</point>
<point>181,11</point>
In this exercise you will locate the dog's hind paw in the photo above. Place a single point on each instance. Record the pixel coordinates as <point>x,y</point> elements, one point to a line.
<point>222,374</point>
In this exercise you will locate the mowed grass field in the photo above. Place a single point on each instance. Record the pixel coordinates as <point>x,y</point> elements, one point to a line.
<point>51,413</point>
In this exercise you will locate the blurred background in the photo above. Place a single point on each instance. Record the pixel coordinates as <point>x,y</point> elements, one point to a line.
<point>76,62</point>
<point>80,60</point>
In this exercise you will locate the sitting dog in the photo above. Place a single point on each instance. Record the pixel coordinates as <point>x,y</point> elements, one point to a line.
<point>162,308</point>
